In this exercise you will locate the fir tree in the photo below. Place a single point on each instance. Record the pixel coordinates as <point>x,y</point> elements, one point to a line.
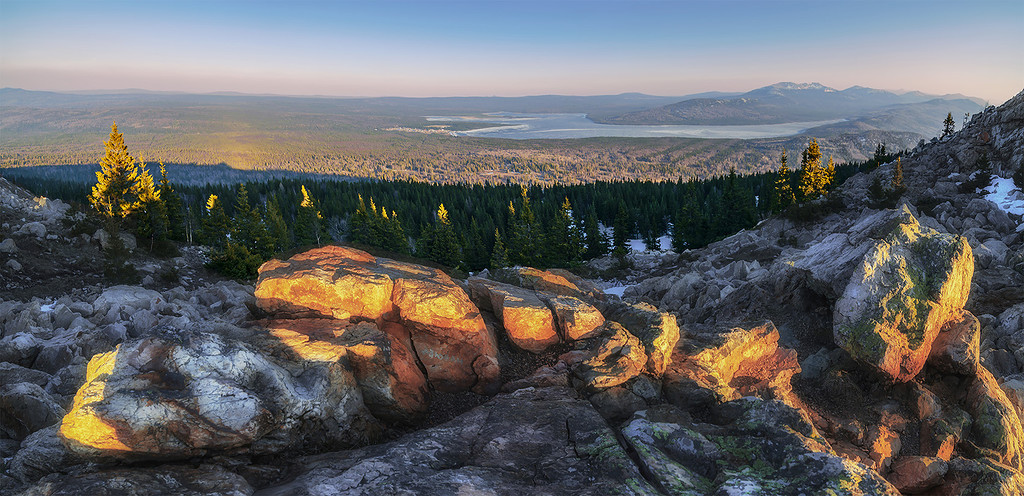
<point>828,176</point>
<point>499,257</point>
<point>948,125</point>
<point>880,156</point>
<point>477,257</point>
<point>276,225</point>
<point>897,184</point>
<point>122,186</point>
<point>440,243</point>
<point>622,230</point>
<point>564,240</point>
<point>308,222</point>
<point>782,193</point>
<point>596,240</point>
<point>811,176</point>
<point>738,212</point>
<point>525,232</point>
<point>394,234</point>
<point>248,229</point>
<point>215,224</point>
<point>174,207</point>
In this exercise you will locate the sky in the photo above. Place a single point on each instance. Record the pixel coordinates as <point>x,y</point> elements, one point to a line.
<point>512,48</point>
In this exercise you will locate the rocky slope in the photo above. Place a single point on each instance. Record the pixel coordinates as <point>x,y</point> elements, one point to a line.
<point>868,351</point>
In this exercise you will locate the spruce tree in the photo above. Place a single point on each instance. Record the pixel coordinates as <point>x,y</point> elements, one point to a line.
<point>122,186</point>
<point>782,192</point>
<point>277,226</point>
<point>948,125</point>
<point>394,235</point>
<point>897,186</point>
<point>173,206</point>
<point>441,244</point>
<point>564,240</point>
<point>308,221</point>
<point>596,240</point>
<point>525,232</point>
<point>622,231</point>
<point>499,257</point>
<point>810,186</point>
<point>248,229</point>
<point>215,224</point>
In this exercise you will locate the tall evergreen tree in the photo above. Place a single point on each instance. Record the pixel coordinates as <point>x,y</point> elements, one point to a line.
<point>499,257</point>
<point>811,177</point>
<point>596,240</point>
<point>308,222</point>
<point>173,206</point>
<point>564,240</point>
<point>440,243</point>
<point>622,230</point>
<point>248,229</point>
<point>215,224</point>
<point>948,125</point>
<point>122,186</point>
<point>782,192</point>
<point>525,231</point>
<point>276,225</point>
<point>738,207</point>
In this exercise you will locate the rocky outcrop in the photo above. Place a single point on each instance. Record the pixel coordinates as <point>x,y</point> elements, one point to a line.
<point>186,394</point>
<point>657,332</point>
<point>180,480</point>
<point>956,348</point>
<point>612,357</point>
<point>532,441</point>
<point>415,304</point>
<point>527,321</point>
<point>907,287</point>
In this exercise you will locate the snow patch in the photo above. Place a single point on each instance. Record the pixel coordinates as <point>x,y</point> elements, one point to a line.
<point>1007,196</point>
<point>617,290</point>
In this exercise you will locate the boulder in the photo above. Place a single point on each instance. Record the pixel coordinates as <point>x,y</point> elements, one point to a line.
<point>554,281</point>
<point>204,480</point>
<point>658,331</point>
<point>127,300</point>
<point>182,394</point>
<point>26,408</point>
<point>531,441</point>
<point>956,348</point>
<point>576,318</point>
<point>417,305</point>
<point>42,453</point>
<point>11,373</point>
<point>612,357</point>
<point>732,362</point>
<point>394,388</point>
<point>8,246</point>
<point>996,428</point>
<point>917,474</point>
<point>37,229</point>
<point>528,322</point>
<point>907,287</point>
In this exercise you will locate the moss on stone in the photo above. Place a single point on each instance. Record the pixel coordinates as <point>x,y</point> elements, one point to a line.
<point>863,342</point>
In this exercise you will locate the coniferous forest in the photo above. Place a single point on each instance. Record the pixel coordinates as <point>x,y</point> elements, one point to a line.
<point>463,226</point>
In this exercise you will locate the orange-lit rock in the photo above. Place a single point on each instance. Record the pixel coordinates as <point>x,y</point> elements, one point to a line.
<point>916,474</point>
<point>883,446</point>
<point>956,348</point>
<point>611,357</point>
<point>331,281</point>
<point>658,331</point>
<point>187,394</point>
<point>527,321</point>
<point>419,306</point>
<point>576,319</point>
<point>393,387</point>
<point>995,425</point>
<point>449,335</point>
<point>735,362</point>
<point>556,282</point>
<point>907,287</point>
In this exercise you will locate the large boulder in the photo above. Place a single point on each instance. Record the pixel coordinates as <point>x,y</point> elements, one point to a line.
<point>732,362</point>
<point>956,349</point>
<point>657,331</point>
<point>531,441</point>
<point>612,357</point>
<point>418,305</point>
<point>26,408</point>
<point>528,322</point>
<point>554,281</point>
<point>576,318</point>
<point>180,395</point>
<point>996,428</point>
<point>179,480</point>
<point>393,386</point>
<point>906,288</point>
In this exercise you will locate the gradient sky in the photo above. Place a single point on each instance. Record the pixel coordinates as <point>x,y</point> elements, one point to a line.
<point>509,48</point>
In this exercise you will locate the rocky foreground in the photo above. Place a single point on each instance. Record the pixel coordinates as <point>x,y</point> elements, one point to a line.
<point>869,351</point>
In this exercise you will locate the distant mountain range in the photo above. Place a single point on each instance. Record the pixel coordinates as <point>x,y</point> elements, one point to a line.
<point>796,102</point>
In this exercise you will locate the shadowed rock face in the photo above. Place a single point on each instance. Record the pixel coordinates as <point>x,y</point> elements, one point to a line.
<point>178,396</point>
<point>908,286</point>
<point>416,305</point>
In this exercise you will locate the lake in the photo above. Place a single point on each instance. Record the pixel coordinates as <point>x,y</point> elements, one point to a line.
<point>560,126</point>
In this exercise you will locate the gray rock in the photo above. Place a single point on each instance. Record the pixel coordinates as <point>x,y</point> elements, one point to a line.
<point>20,348</point>
<point>13,265</point>
<point>26,408</point>
<point>531,441</point>
<point>182,481</point>
<point>8,246</point>
<point>41,453</point>
<point>11,373</point>
<point>37,229</point>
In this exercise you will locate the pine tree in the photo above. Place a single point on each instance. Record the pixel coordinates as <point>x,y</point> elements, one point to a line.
<point>596,240</point>
<point>811,177</point>
<point>564,240</point>
<point>948,125</point>
<point>782,193</point>
<point>276,225</point>
<point>394,234</point>
<point>828,176</point>
<point>440,243</point>
<point>525,231</point>
<point>499,257</point>
<point>308,223</point>
<point>477,257</point>
<point>880,156</point>
<point>738,207</point>
<point>897,185</point>
<point>622,228</point>
<point>248,229</point>
<point>122,186</point>
<point>359,224</point>
<point>215,224</point>
<point>174,207</point>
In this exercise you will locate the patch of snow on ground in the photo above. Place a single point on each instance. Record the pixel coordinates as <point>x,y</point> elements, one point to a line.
<point>617,290</point>
<point>1007,196</point>
<point>637,245</point>
<point>47,308</point>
